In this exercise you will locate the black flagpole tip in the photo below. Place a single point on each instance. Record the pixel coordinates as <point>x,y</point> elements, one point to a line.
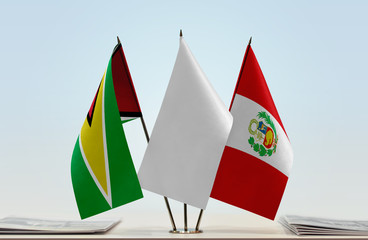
<point>250,41</point>
<point>181,33</point>
<point>118,39</point>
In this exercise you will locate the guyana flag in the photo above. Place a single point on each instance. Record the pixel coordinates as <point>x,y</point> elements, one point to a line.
<point>102,170</point>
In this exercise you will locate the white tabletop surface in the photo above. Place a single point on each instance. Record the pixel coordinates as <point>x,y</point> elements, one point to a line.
<point>214,226</point>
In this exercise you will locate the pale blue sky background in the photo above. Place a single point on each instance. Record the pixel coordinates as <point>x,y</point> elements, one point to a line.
<point>312,53</point>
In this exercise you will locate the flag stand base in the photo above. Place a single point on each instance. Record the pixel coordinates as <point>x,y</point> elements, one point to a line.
<point>182,231</point>
<point>186,230</point>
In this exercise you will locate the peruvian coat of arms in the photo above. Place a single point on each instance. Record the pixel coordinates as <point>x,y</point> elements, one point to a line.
<point>263,137</point>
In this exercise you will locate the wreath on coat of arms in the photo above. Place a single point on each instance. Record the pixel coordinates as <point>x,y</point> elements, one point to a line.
<point>263,137</point>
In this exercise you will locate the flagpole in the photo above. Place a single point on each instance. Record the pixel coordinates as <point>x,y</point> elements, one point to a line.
<point>147,138</point>
<point>145,128</point>
<point>185,218</point>
<point>241,71</point>
<point>199,220</point>
<point>170,213</point>
<point>165,198</point>
<point>185,205</point>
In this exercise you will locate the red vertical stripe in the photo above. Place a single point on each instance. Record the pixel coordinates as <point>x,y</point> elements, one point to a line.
<point>249,183</point>
<point>124,89</point>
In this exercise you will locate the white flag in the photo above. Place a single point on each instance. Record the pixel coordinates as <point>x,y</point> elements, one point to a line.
<point>188,138</point>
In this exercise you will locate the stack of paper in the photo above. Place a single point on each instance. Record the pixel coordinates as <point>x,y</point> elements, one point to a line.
<point>322,226</point>
<point>42,226</point>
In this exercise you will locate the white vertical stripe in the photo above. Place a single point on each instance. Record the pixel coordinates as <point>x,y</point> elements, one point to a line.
<point>109,197</point>
<point>243,111</point>
<point>91,172</point>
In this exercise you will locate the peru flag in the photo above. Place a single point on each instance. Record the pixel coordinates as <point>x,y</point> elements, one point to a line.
<point>257,159</point>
